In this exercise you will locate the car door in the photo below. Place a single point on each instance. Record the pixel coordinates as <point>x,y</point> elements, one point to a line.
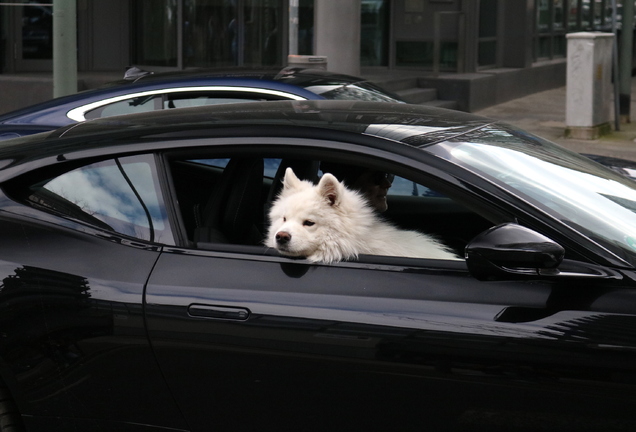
<point>251,340</point>
<point>264,342</point>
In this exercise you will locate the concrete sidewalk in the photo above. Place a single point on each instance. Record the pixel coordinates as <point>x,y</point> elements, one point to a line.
<point>543,114</point>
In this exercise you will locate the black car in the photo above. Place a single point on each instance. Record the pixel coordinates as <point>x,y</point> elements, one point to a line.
<point>119,313</point>
<point>624,166</point>
<point>143,91</point>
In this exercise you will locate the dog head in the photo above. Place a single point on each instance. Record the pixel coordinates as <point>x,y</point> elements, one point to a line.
<point>305,219</point>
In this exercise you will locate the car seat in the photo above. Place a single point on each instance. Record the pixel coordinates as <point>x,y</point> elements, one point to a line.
<point>231,213</point>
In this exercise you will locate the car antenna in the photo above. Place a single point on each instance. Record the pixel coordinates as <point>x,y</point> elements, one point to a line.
<point>133,73</point>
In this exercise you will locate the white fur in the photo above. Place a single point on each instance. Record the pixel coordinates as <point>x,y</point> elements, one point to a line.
<point>344,225</point>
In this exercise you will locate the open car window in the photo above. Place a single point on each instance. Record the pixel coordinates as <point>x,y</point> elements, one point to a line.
<point>224,201</point>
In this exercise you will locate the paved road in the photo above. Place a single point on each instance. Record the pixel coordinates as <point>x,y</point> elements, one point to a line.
<point>543,114</point>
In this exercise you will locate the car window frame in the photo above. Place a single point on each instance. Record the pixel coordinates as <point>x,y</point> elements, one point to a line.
<point>221,147</point>
<point>16,189</point>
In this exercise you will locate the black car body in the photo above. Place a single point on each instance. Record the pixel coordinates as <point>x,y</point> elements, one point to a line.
<point>117,311</point>
<point>142,91</point>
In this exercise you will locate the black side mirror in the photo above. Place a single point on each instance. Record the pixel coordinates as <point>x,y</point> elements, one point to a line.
<point>510,250</point>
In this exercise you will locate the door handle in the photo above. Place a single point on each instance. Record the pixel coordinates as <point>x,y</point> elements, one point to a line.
<point>218,312</point>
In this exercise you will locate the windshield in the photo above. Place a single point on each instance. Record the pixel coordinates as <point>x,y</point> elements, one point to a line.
<point>592,199</point>
<point>363,91</point>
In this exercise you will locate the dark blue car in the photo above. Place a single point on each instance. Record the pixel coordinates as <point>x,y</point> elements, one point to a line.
<point>142,91</point>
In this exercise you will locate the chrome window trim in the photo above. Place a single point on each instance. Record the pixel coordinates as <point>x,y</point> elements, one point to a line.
<point>79,114</point>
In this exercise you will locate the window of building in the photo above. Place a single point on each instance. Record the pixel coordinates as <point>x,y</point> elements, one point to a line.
<point>209,33</point>
<point>374,33</point>
<point>552,19</point>
<point>556,18</point>
<point>487,44</point>
<point>156,29</point>
<point>306,27</point>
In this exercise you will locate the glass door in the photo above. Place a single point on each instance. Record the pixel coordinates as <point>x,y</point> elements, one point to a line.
<point>33,36</point>
<point>209,33</point>
<point>156,29</point>
<point>264,32</point>
<point>374,36</point>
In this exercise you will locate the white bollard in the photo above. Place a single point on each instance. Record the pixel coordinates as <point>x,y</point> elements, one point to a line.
<point>589,85</point>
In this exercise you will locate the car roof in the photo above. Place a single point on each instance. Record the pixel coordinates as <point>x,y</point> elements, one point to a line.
<point>392,121</point>
<point>414,125</point>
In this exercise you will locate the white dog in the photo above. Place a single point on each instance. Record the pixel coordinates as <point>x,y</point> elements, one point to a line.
<point>328,222</point>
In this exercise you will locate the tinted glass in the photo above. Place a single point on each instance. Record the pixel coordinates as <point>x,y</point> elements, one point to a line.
<point>590,198</point>
<point>189,102</point>
<point>156,32</point>
<point>573,14</point>
<point>374,32</point>
<point>37,32</point>
<point>543,17</point>
<point>210,33</point>
<point>263,38</point>
<point>487,18</point>
<point>121,195</point>
<point>559,15</point>
<point>171,100</point>
<point>128,106</point>
<point>487,53</point>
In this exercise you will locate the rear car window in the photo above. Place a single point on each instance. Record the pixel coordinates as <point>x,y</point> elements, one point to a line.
<point>120,195</point>
<point>155,102</point>
<point>128,106</point>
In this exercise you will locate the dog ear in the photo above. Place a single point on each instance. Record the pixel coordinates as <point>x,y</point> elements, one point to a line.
<point>329,188</point>
<point>290,181</point>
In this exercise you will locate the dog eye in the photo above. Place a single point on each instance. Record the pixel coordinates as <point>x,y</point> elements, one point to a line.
<point>284,219</point>
<point>309,223</point>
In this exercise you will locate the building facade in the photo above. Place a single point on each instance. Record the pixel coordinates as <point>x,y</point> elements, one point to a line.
<point>435,37</point>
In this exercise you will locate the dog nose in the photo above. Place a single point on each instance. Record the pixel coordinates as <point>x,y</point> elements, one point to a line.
<point>283,237</point>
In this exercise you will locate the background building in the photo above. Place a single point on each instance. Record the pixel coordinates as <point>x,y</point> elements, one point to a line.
<point>475,52</point>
